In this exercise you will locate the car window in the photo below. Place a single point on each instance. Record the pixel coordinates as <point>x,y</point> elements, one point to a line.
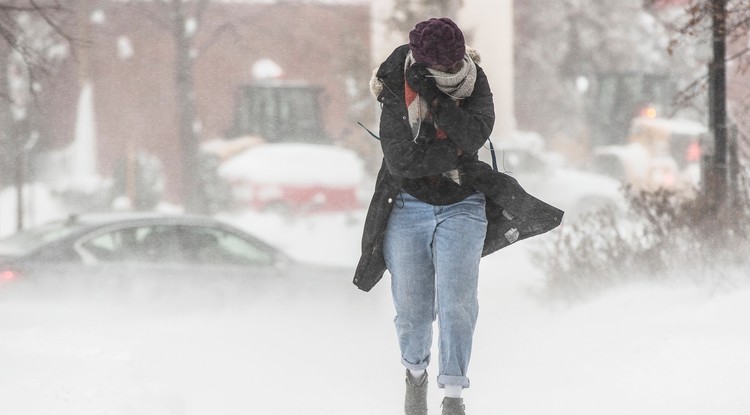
<point>150,244</point>
<point>216,246</point>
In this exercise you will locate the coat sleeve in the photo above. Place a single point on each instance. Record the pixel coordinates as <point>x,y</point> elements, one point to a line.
<point>470,124</point>
<point>403,156</point>
<point>468,127</point>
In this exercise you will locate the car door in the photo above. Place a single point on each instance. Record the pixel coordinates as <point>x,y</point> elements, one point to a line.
<point>219,252</point>
<point>144,251</point>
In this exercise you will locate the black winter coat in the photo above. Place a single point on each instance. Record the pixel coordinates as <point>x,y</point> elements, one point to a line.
<point>512,214</point>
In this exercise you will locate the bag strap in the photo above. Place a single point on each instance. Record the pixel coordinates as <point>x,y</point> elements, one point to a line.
<point>494,157</point>
<point>368,130</point>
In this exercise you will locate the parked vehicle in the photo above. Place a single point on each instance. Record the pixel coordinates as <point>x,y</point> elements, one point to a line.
<point>152,246</point>
<point>295,177</point>
<point>661,153</point>
<point>547,176</point>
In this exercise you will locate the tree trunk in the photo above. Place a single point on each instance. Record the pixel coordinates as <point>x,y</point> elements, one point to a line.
<point>717,186</point>
<point>20,168</point>
<point>186,111</point>
<point>5,123</point>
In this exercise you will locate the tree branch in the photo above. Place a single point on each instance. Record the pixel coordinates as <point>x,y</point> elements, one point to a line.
<point>42,12</point>
<point>216,35</point>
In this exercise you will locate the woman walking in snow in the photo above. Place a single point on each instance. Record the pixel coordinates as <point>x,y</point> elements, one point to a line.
<point>437,105</point>
<point>427,223</point>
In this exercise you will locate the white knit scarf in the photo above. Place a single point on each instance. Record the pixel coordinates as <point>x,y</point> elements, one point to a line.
<point>457,85</point>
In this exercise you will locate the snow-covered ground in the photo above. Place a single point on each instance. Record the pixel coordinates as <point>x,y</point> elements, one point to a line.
<point>323,347</point>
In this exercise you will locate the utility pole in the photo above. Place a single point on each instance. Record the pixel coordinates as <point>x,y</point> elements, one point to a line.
<point>717,186</point>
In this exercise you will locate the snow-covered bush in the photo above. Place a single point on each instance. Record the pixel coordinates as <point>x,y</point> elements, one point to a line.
<point>668,237</point>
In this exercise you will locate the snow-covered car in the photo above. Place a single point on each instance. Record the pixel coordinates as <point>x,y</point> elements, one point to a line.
<point>150,245</point>
<point>547,176</point>
<point>660,153</point>
<point>631,164</point>
<point>296,177</point>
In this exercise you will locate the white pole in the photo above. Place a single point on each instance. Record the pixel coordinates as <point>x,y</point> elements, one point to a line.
<point>488,25</point>
<point>84,152</point>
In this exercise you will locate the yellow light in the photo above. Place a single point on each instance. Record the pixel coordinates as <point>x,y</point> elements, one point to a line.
<point>649,112</point>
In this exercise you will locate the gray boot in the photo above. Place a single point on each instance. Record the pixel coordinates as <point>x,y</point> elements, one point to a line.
<point>415,402</point>
<point>453,406</point>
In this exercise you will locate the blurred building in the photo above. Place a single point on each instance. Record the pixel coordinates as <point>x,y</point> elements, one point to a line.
<point>316,53</point>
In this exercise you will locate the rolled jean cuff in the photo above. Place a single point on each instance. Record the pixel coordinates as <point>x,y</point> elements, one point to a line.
<point>415,367</point>
<point>461,381</point>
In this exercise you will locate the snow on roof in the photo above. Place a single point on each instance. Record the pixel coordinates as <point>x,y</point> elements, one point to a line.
<point>296,163</point>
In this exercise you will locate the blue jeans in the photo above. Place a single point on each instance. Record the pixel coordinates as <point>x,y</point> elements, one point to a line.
<point>432,254</point>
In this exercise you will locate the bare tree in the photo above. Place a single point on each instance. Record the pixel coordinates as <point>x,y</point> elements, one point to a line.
<point>30,44</point>
<point>563,48</point>
<point>725,24</point>
<point>28,30</point>
<point>698,25</point>
<point>184,19</point>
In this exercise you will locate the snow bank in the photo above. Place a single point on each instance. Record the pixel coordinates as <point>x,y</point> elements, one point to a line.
<point>319,346</point>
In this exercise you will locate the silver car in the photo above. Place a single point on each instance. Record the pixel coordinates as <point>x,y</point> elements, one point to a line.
<point>146,246</point>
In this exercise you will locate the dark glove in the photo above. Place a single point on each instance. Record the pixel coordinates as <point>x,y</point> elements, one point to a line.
<point>471,169</point>
<point>420,80</point>
<point>427,133</point>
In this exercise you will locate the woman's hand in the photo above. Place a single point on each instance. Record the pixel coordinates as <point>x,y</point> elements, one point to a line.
<point>421,80</point>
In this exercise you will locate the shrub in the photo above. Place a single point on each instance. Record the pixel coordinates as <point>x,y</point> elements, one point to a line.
<point>666,236</point>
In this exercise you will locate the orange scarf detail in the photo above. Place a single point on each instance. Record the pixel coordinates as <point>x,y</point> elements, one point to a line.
<point>410,96</point>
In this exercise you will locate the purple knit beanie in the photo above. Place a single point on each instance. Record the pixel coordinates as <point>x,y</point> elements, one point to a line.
<point>437,42</point>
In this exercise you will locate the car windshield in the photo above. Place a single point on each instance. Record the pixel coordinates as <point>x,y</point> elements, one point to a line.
<point>26,241</point>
